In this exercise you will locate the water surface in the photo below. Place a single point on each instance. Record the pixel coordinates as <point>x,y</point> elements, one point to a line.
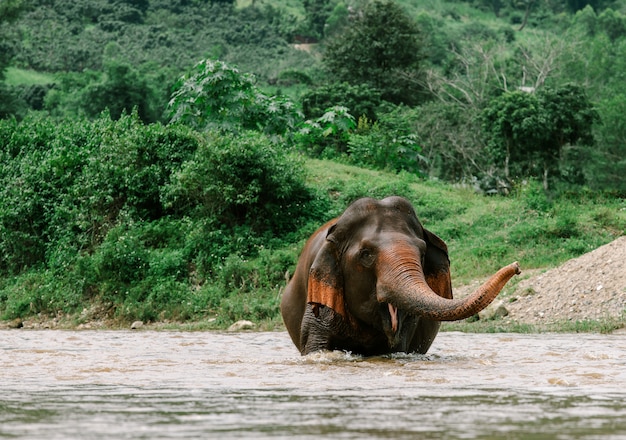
<point>146,384</point>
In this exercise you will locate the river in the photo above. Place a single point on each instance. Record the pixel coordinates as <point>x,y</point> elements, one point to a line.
<point>165,384</point>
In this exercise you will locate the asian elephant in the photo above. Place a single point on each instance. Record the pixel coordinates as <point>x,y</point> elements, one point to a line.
<point>374,281</point>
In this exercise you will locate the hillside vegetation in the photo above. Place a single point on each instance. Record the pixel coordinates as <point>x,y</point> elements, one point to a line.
<point>166,161</point>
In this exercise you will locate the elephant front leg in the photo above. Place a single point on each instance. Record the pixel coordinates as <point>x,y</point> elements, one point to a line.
<point>324,329</point>
<point>425,332</point>
<point>319,328</point>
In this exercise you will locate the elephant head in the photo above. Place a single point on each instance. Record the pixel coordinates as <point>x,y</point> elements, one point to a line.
<point>375,281</point>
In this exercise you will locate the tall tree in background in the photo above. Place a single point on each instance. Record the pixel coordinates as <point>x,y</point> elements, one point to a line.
<point>527,132</point>
<point>317,12</point>
<point>121,90</point>
<point>606,168</point>
<point>382,48</point>
<point>9,11</point>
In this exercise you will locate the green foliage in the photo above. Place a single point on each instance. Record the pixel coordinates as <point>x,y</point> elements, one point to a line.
<point>613,23</point>
<point>389,143</point>
<point>380,48</point>
<point>450,138</point>
<point>67,184</point>
<point>121,90</point>
<point>360,100</point>
<point>328,134</point>
<point>10,103</point>
<point>35,292</point>
<point>139,217</point>
<point>528,131</point>
<point>605,168</point>
<point>172,35</point>
<point>386,144</point>
<point>242,180</point>
<point>317,14</point>
<point>216,95</point>
<point>534,197</point>
<point>9,12</point>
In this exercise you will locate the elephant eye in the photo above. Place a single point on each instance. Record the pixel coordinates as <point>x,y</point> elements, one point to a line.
<point>366,256</point>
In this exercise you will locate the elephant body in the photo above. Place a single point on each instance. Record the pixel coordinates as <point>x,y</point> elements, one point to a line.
<point>374,281</point>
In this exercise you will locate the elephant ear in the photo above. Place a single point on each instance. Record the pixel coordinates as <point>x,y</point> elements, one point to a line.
<point>437,265</point>
<point>325,285</point>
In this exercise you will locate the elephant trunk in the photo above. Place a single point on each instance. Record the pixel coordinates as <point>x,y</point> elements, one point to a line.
<point>405,287</point>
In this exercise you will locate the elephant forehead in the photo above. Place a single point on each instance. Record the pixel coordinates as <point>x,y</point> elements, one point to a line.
<point>394,204</point>
<point>387,240</point>
<point>398,203</point>
<point>391,225</point>
<point>367,218</point>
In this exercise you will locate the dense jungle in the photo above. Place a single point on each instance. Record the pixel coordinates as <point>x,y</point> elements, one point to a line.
<point>165,161</point>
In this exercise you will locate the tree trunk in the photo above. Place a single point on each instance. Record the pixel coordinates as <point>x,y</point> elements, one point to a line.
<point>529,4</point>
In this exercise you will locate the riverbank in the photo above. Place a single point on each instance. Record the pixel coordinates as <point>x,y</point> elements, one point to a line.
<point>585,294</point>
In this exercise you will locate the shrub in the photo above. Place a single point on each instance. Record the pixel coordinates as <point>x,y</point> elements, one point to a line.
<point>120,91</point>
<point>358,99</point>
<point>387,144</point>
<point>39,292</point>
<point>63,186</point>
<point>328,135</point>
<point>242,180</point>
<point>217,96</point>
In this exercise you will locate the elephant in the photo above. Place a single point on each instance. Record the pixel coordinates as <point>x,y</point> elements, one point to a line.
<point>374,281</point>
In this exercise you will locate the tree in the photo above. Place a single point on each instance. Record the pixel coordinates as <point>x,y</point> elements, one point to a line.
<point>122,89</point>
<point>9,12</point>
<point>514,125</point>
<point>359,100</point>
<point>605,169</point>
<point>451,140</point>
<point>215,95</point>
<point>613,23</point>
<point>527,132</point>
<point>381,48</point>
<point>479,72</point>
<point>10,104</point>
<point>317,12</point>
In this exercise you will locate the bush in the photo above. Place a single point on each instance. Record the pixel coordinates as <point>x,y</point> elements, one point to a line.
<point>121,90</point>
<point>64,186</point>
<point>328,135</point>
<point>217,96</point>
<point>358,99</point>
<point>387,144</point>
<point>39,292</point>
<point>241,180</point>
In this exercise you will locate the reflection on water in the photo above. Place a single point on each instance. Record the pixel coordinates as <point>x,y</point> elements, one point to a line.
<point>101,384</point>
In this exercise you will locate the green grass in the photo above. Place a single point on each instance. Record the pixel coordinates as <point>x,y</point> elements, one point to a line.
<point>603,326</point>
<point>484,233</point>
<point>15,77</point>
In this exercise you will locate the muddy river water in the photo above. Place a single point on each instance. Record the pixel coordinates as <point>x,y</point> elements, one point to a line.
<point>147,384</point>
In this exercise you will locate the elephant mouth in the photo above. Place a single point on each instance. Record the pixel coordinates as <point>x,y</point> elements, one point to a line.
<point>393,314</point>
<point>392,320</point>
